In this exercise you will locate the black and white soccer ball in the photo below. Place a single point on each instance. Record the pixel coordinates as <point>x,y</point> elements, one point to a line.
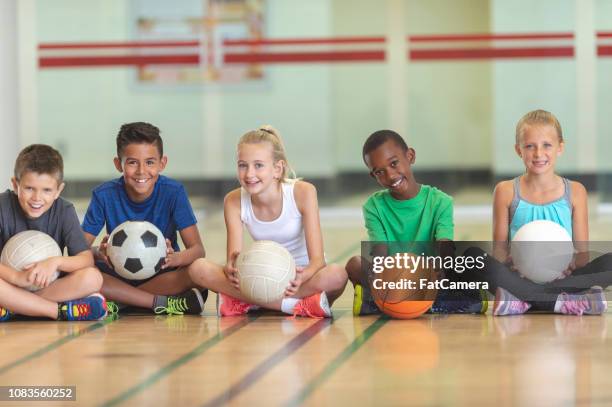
<point>136,250</point>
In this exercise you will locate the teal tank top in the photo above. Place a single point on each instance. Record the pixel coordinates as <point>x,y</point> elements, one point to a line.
<point>558,211</point>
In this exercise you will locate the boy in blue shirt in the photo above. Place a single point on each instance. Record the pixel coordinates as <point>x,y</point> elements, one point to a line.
<point>35,204</point>
<point>142,194</point>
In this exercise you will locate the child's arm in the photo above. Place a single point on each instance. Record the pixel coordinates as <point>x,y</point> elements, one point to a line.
<point>233,226</point>
<point>306,200</point>
<point>98,252</point>
<point>14,277</point>
<point>580,223</point>
<point>41,272</point>
<point>502,198</point>
<point>194,249</point>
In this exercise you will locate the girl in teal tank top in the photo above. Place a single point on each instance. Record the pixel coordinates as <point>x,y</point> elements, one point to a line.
<point>540,194</point>
<point>523,211</point>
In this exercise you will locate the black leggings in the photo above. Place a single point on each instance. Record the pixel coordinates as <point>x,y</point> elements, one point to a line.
<point>542,297</point>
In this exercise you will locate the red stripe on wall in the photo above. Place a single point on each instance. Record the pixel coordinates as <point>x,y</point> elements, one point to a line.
<point>133,44</point>
<point>294,57</point>
<point>137,60</point>
<point>304,41</point>
<point>604,35</point>
<point>604,50</point>
<point>489,37</point>
<point>490,53</point>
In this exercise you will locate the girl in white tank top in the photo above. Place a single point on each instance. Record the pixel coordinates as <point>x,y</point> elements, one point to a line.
<point>286,230</point>
<point>273,207</point>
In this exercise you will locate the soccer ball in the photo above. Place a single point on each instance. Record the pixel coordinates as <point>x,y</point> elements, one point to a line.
<point>136,250</point>
<point>28,247</point>
<point>265,270</point>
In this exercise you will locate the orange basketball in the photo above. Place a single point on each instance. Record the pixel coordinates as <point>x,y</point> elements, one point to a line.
<point>405,309</point>
<point>396,298</point>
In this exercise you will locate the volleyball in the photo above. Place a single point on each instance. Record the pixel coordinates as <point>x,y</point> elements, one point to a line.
<point>28,247</point>
<point>136,250</point>
<point>541,250</point>
<point>265,270</point>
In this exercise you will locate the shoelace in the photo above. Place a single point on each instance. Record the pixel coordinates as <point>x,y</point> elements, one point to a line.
<point>112,308</point>
<point>83,310</point>
<point>575,307</point>
<point>176,306</point>
<point>239,306</point>
<point>306,306</point>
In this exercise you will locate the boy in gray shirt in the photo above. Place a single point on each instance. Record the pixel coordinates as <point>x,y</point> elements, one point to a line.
<point>35,204</point>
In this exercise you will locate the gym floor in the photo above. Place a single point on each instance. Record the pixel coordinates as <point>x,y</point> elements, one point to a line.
<point>271,359</point>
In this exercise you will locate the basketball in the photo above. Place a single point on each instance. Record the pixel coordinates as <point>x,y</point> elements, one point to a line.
<point>136,250</point>
<point>28,247</point>
<point>541,250</point>
<point>265,270</point>
<point>396,299</point>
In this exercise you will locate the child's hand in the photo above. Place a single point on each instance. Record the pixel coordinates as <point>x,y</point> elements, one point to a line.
<point>100,254</point>
<point>294,285</point>
<point>231,272</point>
<point>172,258</point>
<point>569,270</point>
<point>40,274</point>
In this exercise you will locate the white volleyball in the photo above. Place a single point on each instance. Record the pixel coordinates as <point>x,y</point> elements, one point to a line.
<point>541,250</point>
<point>265,270</point>
<point>27,247</point>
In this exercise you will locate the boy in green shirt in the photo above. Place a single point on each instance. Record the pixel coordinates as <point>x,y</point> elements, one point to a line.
<point>404,212</point>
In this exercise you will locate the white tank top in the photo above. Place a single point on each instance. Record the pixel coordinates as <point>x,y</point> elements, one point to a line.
<point>286,230</point>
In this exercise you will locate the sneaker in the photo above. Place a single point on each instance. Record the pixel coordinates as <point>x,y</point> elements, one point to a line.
<point>5,314</point>
<point>189,302</point>
<point>591,302</point>
<point>460,302</point>
<point>228,306</point>
<point>363,303</point>
<point>113,309</point>
<point>507,304</point>
<point>315,306</point>
<point>92,308</point>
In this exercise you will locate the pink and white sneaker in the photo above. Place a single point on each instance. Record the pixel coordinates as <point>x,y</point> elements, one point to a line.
<point>507,304</point>
<point>230,307</point>
<point>315,306</point>
<point>591,302</point>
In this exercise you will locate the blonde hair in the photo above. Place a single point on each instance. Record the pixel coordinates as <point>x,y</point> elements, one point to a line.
<point>538,117</point>
<point>269,134</point>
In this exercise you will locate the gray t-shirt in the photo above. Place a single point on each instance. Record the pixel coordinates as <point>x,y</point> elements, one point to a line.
<point>60,222</point>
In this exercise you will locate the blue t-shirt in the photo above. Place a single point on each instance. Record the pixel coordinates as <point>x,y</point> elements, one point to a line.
<point>168,208</point>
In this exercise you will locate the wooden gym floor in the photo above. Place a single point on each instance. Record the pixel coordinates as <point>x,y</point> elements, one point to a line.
<point>270,359</point>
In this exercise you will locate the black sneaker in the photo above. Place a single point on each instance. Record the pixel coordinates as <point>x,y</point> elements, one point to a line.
<point>363,303</point>
<point>189,302</point>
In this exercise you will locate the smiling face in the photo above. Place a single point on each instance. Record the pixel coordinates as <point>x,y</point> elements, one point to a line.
<point>539,146</point>
<point>141,165</point>
<point>390,165</point>
<point>257,170</point>
<point>36,192</point>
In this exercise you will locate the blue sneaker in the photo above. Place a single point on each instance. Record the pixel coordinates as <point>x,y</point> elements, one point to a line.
<point>5,314</point>
<point>92,308</point>
<point>460,302</point>
<point>363,303</point>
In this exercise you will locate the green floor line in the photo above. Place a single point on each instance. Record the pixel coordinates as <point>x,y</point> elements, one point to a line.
<point>54,345</point>
<point>175,364</point>
<point>338,361</point>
